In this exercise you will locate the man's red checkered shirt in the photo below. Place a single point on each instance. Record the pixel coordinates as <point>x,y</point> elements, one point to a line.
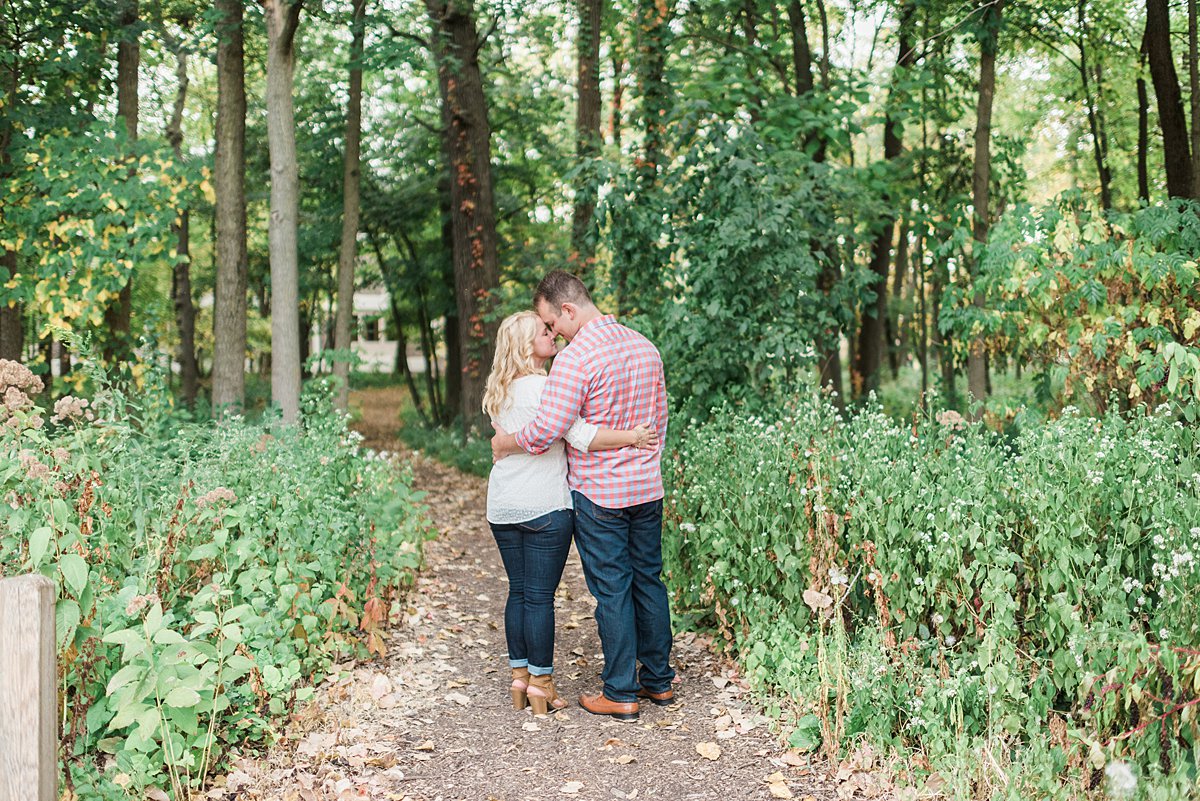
<point>610,376</point>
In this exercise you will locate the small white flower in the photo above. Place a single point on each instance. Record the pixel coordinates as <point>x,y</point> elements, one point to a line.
<point>950,640</point>
<point>1121,781</point>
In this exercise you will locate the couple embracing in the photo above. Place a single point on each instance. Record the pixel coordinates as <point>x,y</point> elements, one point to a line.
<point>606,397</point>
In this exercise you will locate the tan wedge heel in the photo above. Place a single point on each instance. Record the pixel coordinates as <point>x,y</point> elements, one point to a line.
<point>543,698</point>
<point>520,683</point>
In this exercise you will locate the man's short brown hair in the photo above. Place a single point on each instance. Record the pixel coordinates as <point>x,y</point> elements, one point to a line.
<point>559,287</point>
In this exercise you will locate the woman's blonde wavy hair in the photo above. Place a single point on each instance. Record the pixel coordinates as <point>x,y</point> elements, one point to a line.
<point>513,359</point>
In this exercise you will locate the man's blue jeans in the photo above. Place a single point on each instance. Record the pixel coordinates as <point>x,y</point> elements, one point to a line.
<point>534,553</point>
<point>621,552</point>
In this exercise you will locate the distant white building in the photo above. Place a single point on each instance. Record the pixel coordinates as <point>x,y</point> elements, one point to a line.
<point>371,338</point>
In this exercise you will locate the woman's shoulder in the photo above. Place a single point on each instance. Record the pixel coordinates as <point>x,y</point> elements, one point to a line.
<point>530,383</point>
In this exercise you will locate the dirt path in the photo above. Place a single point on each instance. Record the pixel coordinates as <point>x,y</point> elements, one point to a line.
<point>432,721</point>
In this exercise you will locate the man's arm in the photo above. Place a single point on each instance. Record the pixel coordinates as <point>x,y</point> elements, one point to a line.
<point>660,406</point>
<point>562,399</point>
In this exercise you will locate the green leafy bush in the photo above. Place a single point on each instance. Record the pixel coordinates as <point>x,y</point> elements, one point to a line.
<point>936,587</point>
<point>206,572</point>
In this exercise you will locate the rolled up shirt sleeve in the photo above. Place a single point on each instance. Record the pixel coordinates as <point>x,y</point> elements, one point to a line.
<point>562,400</point>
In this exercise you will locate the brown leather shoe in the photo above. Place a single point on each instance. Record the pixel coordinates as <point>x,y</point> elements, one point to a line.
<point>600,705</point>
<point>665,698</point>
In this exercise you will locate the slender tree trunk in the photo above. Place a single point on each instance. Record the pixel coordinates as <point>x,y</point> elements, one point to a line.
<point>117,316</point>
<point>282,19</point>
<point>618,99</point>
<point>473,210</point>
<point>1143,145</point>
<point>12,329</point>
<point>1091,103</point>
<point>181,283</point>
<point>12,318</point>
<point>829,356</point>
<point>981,182</point>
<point>871,340</point>
<point>229,179</point>
<point>350,206</point>
<point>894,335</point>
<point>587,130</point>
<point>1194,93</point>
<point>1176,155</point>
<point>452,399</point>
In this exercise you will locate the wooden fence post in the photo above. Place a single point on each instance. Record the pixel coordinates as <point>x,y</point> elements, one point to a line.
<point>28,690</point>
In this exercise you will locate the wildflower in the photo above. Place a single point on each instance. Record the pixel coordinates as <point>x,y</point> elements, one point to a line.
<point>140,602</point>
<point>214,497</point>
<point>1121,781</point>
<point>68,407</point>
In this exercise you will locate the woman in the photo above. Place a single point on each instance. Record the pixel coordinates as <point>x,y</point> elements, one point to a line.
<point>529,506</point>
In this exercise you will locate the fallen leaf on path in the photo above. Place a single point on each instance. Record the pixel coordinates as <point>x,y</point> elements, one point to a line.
<point>459,699</point>
<point>793,759</point>
<point>780,790</point>
<point>775,778</point>
<point>571,788</point>
<point>530,725</point>
<point>625,759</point>
<point>425,746</point>
<point>709,750</point>
<point>719,682</point>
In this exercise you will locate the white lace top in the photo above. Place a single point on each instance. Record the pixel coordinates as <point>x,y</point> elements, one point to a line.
<point>522,487</point>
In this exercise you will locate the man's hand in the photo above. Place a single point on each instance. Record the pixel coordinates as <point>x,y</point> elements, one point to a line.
<point>503,444</point>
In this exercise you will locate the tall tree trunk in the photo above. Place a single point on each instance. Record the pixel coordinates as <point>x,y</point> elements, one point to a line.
<point>1092,104</point>
<point>473,210</point>
<point>871,331</point>
<point>451,401</point>
<point>282,19</point>
<point>830,355</point>
<point>1194,92</point>
<point>1143,140</point>
<point>989,39</point>
<point>181,283</point>
<point>117,316</point>
<point>1176,155</point>
<point>12,318</point>
<point>653,26</point>
<point>350,206</point>
<point>618,99</point>
<point>229,179</point>
<point>587,130</point>
<point>12,330</point>
<point>894,335</point>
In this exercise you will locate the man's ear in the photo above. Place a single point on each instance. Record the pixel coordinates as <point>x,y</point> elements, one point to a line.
<point>570,310</point>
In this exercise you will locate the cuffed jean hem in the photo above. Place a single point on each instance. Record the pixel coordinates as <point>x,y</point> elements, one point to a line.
<point>516,663</point>
<point>534,670</point>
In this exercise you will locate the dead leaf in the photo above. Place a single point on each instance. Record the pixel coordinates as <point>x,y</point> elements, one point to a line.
<point>459,699</point>
<point>709,750</point>
<point>780,790</point>
<point>625,759</point>
<point>425,746</point>
<point>775,778</point>
<point>530,725</point>
<point>719,682</point>
<point>817,600</point>
<point>571,788</point>
<point>793,759</point>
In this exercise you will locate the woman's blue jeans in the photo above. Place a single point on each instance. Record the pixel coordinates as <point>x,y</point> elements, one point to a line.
<point>534,553</point>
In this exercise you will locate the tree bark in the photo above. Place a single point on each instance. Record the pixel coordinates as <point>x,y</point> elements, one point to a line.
<point>229,180</point>
<point>1176,155</point>
<point>350,206</point>
<point>618,99</point>
<point>830,355</point>
<point>282,20</point>
<point>894,335</point>
<point>653,26</point>
<point>1194,93</point>
<point>1143,145</point>
<point>981,181</point>
<point>1092,103</point>
<point>118,346</point>
<point>181,284</point>
<point>12,318</point>
<point>587,131</point>
<point>472,206</point>
<point>871,342</point>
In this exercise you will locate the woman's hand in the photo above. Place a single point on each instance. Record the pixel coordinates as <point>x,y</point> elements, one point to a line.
<point>645,437</point>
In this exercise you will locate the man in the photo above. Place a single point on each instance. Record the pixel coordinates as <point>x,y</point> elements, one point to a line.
<point>611,376</point>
